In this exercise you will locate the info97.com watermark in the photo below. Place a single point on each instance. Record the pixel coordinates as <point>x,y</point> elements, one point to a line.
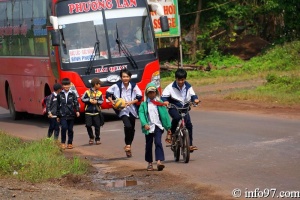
<point>264,193</point>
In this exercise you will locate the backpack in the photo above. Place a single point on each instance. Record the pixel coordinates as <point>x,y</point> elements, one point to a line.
<point>44,103</point>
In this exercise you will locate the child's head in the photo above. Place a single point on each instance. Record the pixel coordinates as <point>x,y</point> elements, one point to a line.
<point>125,75</point>
<point>57,87</point>
<point>66,84</point>
<point>180,76</point>
<point>95,82</point>
<point>151,92</point>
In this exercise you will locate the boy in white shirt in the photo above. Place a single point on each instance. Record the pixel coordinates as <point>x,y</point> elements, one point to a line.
<point>132,94</point>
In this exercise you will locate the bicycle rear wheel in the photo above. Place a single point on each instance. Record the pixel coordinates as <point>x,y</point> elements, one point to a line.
<point>176,149</point>
<point>185,149</point>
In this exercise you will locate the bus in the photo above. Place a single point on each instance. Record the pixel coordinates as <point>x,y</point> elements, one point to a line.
<point>44,41</point>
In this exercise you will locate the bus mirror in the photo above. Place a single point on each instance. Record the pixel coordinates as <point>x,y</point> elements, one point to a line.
<point>164,24</point>
<point>156,7</point>
<point>55,37</point>
<point>54,22</point>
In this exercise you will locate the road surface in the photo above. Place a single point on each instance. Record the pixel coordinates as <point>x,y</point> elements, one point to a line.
<point>236,150</point>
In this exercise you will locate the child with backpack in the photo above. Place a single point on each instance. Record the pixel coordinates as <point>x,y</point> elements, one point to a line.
<point>132,94</point>
<point>93,100</point>
<point>67,110</point>
<point>51,110</point>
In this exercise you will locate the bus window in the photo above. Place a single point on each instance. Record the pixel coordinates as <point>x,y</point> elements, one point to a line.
<point>80,38</point>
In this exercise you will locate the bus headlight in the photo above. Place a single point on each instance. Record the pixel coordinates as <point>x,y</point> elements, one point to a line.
<point>156,78</point>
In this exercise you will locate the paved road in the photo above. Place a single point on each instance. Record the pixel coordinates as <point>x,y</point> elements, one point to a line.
<point>236,150</point>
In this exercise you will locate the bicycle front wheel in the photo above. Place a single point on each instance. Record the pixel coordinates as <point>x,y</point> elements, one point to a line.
<point>185,148</point>
<point>176,148</point>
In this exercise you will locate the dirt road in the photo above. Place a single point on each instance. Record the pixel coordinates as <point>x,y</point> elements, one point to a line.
<point>111,177</point>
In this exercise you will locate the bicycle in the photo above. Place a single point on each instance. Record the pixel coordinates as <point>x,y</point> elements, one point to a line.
<point>180,139</point>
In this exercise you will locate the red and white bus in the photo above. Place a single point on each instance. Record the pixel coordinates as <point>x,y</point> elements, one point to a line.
<point>43,41</point>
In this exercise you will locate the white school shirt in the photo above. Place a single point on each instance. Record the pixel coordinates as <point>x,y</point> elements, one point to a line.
<point>183,92</point>
<point>153,115</point>
<point>67,93</point>
<point>126,95</point>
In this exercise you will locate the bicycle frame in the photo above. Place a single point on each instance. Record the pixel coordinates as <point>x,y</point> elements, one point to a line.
<point>181,136</point>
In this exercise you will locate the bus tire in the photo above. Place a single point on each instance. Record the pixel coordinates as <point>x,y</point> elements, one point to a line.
<point>13,113</point>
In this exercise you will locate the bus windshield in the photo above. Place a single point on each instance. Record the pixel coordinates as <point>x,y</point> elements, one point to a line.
<point>97,34</point>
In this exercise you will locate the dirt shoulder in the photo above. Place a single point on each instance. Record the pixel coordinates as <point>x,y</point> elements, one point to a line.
<point>213,98</point>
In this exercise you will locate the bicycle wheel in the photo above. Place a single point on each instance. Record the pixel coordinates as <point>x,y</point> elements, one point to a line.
<point>185,149</point>
<point>176,148</point>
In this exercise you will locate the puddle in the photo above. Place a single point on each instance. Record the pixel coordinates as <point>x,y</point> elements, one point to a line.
<point>120,183</point>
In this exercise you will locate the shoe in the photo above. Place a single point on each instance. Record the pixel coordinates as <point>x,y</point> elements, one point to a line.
<point>91,141</point>
<point>193,148</point>
<point>70,146</point>
<point>160,167</point>
<point>150,167</point>
<point>168,139</point>
<point>98,142</point>
<point>127,149</point>
<point>63,146</point>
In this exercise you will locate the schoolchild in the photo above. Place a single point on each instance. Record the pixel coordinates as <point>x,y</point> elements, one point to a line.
<point>51,110</point>
<point>181,94</point>
<point>93,100</point>
<point>132,94</point>
<point>154,119</point>
<point>67,110</point>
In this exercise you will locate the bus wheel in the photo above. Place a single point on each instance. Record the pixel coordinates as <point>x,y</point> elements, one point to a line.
<point>13,113</point>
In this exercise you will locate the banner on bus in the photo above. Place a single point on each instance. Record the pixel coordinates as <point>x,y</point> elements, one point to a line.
<point>171,11</point>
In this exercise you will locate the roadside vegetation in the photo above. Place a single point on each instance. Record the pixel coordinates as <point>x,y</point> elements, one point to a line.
<point>36,161</point>
<point>278,66</point>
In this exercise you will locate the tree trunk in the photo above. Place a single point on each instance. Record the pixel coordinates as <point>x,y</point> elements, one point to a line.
<point>196,25</point>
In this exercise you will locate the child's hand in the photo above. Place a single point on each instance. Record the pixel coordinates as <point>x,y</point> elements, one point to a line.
<point>147,127</point>
<point>77,114</point>
<point>166,103</point>
<point>169,132</point>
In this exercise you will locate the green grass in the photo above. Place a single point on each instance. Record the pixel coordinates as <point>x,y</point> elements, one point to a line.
<point>281,89</point>
<point>36,161</point>
<point>279,66</point>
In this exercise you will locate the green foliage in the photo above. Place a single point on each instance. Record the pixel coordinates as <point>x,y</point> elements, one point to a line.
<point>275,21</point>
<point>36,161</point>
<point>281,57</point>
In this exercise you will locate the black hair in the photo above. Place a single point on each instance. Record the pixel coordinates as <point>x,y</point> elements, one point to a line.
<point>126,71</point>
<point>56,87</point>
<point>65,81</point>
<point>95,81</point>
<point>180,73</point>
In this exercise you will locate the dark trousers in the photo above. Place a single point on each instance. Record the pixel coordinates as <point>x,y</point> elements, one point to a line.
<point>129,128</point>
<point>67,125</point>
<point>159,151</point>
<point>93,120</point>
<point>176,118</point>
<point>53,126</point>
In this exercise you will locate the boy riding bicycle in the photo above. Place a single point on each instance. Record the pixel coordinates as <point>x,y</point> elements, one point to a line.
<point>181,94</point>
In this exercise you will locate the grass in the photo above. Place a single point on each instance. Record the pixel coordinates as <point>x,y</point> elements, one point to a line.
<point>36,161</point>
<point>279,66</point>
<point>281,89</point>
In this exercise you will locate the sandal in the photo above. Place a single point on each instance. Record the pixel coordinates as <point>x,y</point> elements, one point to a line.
<point>150,167</point>
<point>160,167</point>
<point>169,138</point>
<point>91,141</point>
<point>127,149</point>
<point>98,142</point>
<point>193,148</point>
